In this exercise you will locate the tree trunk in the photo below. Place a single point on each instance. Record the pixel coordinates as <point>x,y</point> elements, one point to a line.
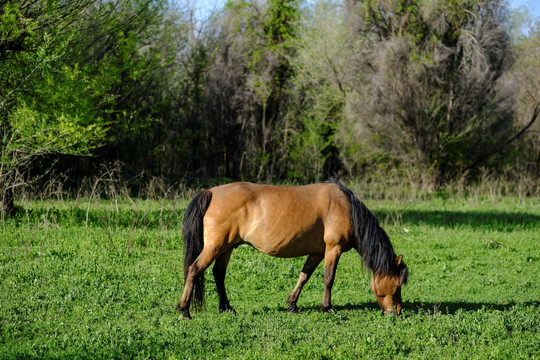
<point>7,205</point>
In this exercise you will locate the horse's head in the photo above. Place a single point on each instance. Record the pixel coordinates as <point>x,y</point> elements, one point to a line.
<point>387,287</point>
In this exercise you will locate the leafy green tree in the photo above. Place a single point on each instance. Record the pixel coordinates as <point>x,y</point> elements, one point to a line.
<point>247,87</point>
<point>70,73</point>
<point>45,105</point>
<point>128,50</point>
<point>322,86</point>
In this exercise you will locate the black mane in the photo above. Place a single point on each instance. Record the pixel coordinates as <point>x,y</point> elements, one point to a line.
<point>371,241</point>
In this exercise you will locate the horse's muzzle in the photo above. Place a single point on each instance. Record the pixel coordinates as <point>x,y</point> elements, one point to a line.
<point>383,313</point>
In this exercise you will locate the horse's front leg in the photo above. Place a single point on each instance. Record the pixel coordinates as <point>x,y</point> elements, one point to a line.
<point>219,270</point>
<point>311,264</point>
<point>331,258</point>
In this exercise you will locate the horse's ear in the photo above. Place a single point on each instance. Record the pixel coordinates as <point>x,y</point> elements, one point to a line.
<point>403,272</point>
<point>403,275</point>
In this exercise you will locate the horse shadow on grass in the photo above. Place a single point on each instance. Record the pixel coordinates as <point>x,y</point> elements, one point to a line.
<point>452,308</point>
<point>427,308</point>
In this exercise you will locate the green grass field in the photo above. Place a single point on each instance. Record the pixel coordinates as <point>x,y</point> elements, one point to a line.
<point>102,279</point>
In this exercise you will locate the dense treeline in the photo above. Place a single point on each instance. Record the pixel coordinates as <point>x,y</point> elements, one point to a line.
<point>268,90</point>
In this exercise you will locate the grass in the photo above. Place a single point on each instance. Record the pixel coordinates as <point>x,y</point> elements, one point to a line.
<point>102,281</point>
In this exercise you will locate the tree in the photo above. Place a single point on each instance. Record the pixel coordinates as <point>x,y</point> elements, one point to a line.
<point>526,72</point>
<point>62,68</point>
<point>247,86</point>
<point>322,87</point>
<point>39,112</point>
<point>129,49</point>
<point>433,87</point>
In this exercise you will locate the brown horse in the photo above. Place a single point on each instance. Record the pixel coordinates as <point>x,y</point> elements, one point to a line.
<point>320,220</point>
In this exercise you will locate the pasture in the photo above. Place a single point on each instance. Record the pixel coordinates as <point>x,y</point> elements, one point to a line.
<point>101,279</point>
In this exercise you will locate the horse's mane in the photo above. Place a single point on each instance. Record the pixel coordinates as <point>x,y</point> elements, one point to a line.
<point>371,241</point>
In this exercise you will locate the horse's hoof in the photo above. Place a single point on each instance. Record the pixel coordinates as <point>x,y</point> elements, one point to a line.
<point>292,309</point>
<point>231,310</point>
<point>187,316</point>
<point>227,308</point>
<point>328,310</point>
<point>185,312</point>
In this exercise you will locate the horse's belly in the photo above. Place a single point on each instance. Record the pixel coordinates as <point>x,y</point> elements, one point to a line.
<point>287,245</point>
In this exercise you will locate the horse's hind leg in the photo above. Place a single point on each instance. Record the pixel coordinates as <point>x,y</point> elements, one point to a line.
<point>196,269</point>
<point>219,270</point>
<point>311,264</point>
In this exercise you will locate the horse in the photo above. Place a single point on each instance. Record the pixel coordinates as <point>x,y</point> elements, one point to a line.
<point>321,220</point>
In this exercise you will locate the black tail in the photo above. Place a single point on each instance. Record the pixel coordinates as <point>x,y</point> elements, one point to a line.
<point>192,233</point>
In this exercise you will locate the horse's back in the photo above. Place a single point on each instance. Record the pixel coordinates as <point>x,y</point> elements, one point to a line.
<point>284,221</point>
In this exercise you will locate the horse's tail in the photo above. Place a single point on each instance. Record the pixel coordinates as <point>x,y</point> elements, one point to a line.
<point>193,235</point>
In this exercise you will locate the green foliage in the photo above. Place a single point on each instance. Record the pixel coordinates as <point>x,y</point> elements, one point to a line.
<point>268,90</point>
<point>280,25</point>
<point>58,116</point>
<point>45,103</point>
<point>264,35</point>
<point>109,290</point>
<point>73,77</point>
<point>308,150</point>
<point>319,81</point>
